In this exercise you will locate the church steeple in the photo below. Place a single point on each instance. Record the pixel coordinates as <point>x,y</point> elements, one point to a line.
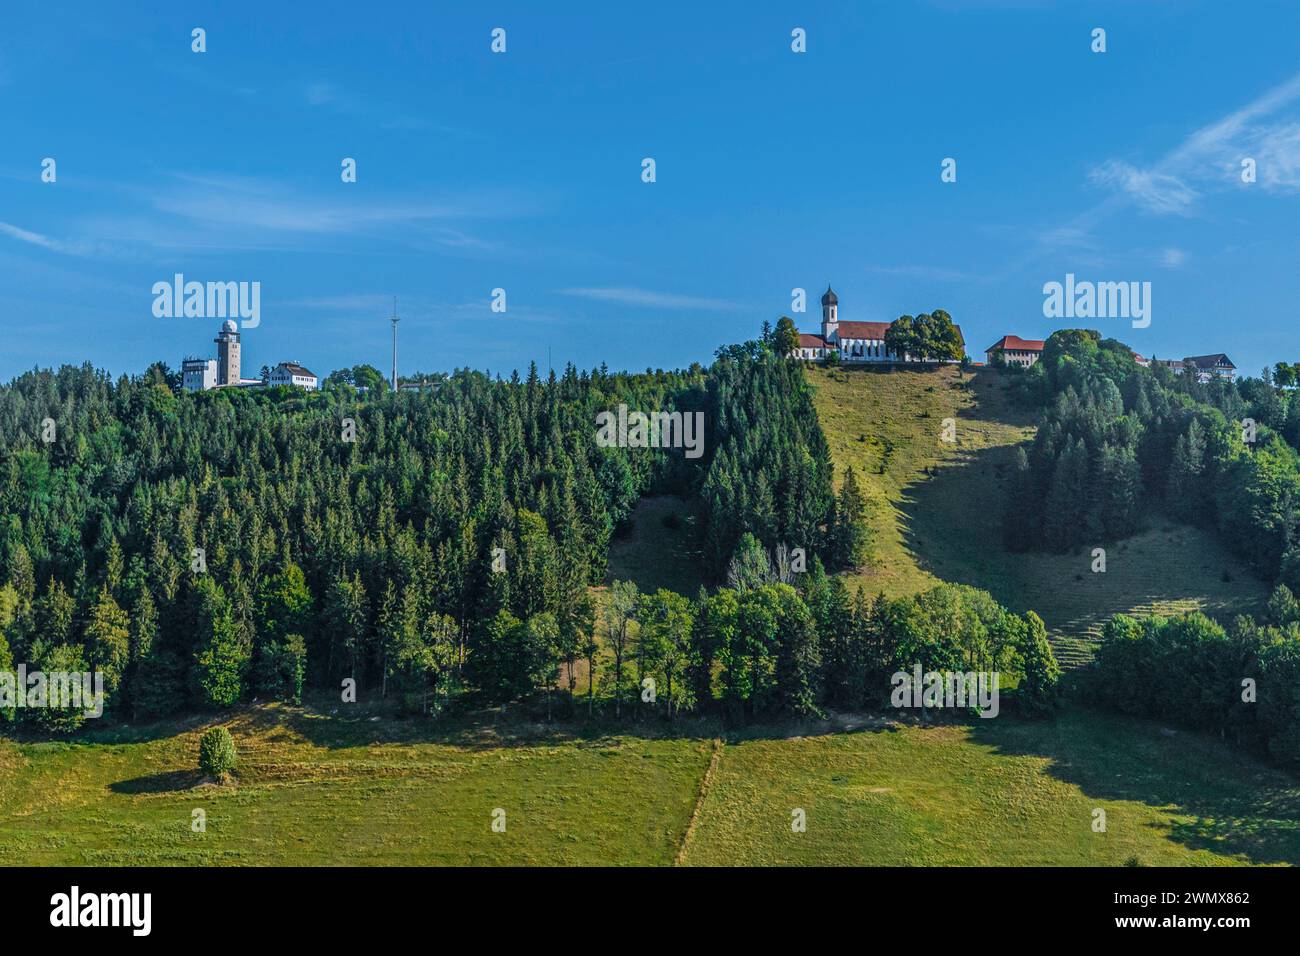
<point>830,315</point>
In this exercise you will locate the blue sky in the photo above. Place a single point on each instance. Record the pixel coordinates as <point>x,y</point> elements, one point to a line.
<point>522,171</point>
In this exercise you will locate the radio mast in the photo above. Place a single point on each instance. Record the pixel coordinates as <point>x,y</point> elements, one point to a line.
<point>395,321</point>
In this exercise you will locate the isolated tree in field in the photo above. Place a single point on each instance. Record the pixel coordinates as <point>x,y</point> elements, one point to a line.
<point>620,612</point>
<point>786,337</point>
<point>216,752</point>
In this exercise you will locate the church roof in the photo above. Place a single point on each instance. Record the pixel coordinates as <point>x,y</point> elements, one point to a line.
<point>863,330</point>
<point>829,297</point>
<point>809,341</point>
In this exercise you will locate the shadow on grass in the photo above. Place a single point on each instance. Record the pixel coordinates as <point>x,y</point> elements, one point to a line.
<point>492,730</point>
<point>170,782</point>
<point>1231,803</point>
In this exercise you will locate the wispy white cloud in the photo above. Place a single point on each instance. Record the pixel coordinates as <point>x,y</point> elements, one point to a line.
<point>72,247</point>
<point>197,212</point>
<point>1173,258</point>
<point>649,299</point>
<point>1155,192</point>
<point>1211,157</point>
<point>224,201</point>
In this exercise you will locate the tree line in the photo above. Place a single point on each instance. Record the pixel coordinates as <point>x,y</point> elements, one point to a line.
<point>1241,682</point>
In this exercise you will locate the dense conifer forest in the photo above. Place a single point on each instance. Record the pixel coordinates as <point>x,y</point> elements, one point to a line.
<point>203,549</point>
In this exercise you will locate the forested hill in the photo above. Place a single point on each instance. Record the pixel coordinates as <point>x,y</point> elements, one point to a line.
<point>1118,441</point>
<point>202,548</point>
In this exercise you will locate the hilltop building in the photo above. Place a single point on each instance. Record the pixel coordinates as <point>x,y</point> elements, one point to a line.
<point>1205,367</point>
<point>857,342</point>
<point>291,373</point>
<point>201,374</point>
<point>1013,350</point>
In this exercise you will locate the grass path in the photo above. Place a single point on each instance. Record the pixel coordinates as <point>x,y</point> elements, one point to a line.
<point>706,782</point>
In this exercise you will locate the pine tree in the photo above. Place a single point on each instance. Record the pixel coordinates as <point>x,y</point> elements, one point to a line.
<point>849,538</point>
<point>108,639</point>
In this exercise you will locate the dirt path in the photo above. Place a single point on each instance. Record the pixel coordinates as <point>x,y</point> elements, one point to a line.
<point>705,783</point>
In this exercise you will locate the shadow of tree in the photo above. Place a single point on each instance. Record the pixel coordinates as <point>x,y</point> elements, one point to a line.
<point>1230,803</point>
<point>167,782</point>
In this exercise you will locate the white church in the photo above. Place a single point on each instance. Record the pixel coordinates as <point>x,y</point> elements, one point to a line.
<point>857,342</point>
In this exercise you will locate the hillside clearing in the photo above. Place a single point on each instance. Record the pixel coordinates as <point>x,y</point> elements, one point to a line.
<point>937,509</point>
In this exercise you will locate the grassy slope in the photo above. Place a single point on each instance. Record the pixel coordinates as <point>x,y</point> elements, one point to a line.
<point>318,789</point>
<point>947,525</point>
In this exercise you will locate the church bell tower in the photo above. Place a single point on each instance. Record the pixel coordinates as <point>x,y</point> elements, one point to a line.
<point>830,316</point>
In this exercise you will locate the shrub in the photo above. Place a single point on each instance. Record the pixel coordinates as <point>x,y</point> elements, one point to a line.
<point>217,752</point>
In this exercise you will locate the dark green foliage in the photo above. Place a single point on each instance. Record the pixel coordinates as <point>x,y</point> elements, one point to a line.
<point>1038,690</point>
<point>770,471</point>
<point>218,530</point>
<point>928,336</point>
<point>1117,441</point>
<point>1242,683</point>
<point>786,338</point>
<point>216,752</point>
<point>849,529</point>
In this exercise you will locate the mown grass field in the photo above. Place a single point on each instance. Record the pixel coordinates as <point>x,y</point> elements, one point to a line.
<point>320,789</point>
<point>937,509</point>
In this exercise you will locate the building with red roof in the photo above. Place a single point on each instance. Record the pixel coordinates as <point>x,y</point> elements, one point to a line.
<point>856,342</point>
<point>1013,350</point>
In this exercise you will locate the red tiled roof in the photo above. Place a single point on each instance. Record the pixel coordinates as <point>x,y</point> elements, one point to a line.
<point>1016,343</point>
<point>809,341</point>
<point>863,330</point>
<point>877,330</point>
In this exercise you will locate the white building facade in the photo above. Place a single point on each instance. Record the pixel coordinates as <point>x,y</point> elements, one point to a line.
<point>857,342</point>
<point>291,373</point>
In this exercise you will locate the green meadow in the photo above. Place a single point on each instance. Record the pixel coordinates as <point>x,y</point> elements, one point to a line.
<point>314,788</point>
